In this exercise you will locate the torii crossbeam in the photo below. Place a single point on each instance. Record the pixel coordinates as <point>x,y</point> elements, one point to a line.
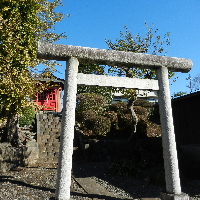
<point>73,55</point>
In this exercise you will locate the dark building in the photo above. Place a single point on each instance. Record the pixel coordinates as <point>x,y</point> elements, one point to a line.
<point>186,115</point>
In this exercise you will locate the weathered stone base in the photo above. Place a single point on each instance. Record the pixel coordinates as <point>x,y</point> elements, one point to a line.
<point>166,196</point>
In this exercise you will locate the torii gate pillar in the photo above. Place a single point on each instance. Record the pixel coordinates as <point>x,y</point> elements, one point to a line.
<point>67,131</point>
<point>173,187</point>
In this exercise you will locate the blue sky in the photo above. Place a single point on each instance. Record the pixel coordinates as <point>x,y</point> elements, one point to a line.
<point>92,21</point>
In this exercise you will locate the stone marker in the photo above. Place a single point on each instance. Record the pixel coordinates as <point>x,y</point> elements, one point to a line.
<point>110,57</point>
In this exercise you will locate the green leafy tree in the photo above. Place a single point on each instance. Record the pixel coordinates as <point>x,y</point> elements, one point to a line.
<point>22,25</point>
<point>151,43</point>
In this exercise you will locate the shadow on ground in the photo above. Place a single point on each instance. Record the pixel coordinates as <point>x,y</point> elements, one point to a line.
<point>21,183</point>
<point>135,187</point>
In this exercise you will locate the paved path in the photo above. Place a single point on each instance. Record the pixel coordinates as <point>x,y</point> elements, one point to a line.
<point>94,189</point>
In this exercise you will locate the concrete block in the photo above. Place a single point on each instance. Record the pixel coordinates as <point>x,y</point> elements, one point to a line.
<point>56,141</point>
<point>50,140</point>
<point>54,160</point>
<point>43,149</point>
<point>47,129</point>
<point>46,136</point>
<point>49,149</point>
<point>55,130</point>
<point>43,154</point>
<point>43,140</point>
<point>44,116</point>
<point>53,123</point>
<point>56,144</point>
<point>42,144</point>
<point>50,117</point>
<point>59,129</point>
<point>51,133</point>
<point>56,154</point>
<point>49,124</point>
<point>50,154</point>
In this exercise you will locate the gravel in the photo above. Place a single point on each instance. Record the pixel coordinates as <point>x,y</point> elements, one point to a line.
<point>40,183</point>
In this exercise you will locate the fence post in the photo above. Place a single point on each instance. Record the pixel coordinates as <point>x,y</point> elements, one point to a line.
<point>67,131</point>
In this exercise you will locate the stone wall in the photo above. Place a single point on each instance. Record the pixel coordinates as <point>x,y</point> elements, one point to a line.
<point>48,137</point>
<point>107,150</point>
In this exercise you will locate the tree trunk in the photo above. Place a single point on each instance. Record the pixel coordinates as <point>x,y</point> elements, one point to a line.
<point>12,129</point>
<point>131,104</point>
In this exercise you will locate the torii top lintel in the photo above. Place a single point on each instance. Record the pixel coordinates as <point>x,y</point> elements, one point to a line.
<point>60,52</point>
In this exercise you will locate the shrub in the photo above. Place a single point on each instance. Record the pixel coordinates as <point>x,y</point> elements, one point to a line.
<point>142,113</point>
<point>113,118</point>
<point>27,117</point>
<point>123,126</point>
<point>86,101</point>
<point>126,122</point>
<point>153,130</point>
<point>155,115</point>
<point>101,125</point>
<point>86,115</point>
<point>119,107</point>
<point>142,103</point>
<point>142,129</point>
<point>88,119</point>
<point>94,124</point>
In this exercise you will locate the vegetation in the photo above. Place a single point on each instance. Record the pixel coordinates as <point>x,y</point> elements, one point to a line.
<point>28,117</point>
<point>194,83</point>
<point>96,117</point>
<point>89,113</point>
<point>151,43</point>
<point>22,24</point>
<point>179,94</point>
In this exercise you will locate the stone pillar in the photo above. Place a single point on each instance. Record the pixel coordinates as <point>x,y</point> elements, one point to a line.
<point>168,138</point>
<point>67,131</point>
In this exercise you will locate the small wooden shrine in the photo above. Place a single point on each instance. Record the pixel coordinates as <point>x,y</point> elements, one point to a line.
<point>50,99</point>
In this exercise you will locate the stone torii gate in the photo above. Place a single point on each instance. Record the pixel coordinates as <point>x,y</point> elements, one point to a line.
<point>73,55</point>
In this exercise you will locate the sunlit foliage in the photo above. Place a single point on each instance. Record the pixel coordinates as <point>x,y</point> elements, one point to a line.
<point>150,43</point>
<point>22,24</point>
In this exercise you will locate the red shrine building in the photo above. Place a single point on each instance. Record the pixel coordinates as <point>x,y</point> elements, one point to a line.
<point>51,98</point>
